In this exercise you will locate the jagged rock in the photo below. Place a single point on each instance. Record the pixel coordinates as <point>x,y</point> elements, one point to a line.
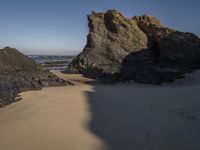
<point>20,73</point>
<point>111,38</point>
<point>140,49</point>
<point>172,45</point>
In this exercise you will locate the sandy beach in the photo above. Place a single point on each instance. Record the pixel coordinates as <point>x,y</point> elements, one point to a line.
<point>50,119</point>
<point>99,75</point>
<point>98,117</point>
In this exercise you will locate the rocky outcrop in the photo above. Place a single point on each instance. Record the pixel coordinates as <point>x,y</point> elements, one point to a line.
<point>111,38</point>
<point>20,73</point>
<point>138,48</point>
<point>179,47</point>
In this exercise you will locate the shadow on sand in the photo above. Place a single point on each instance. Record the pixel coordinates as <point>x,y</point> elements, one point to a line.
<point>143,117</point>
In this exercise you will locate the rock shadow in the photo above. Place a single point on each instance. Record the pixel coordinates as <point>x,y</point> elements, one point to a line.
<point>138,117</point>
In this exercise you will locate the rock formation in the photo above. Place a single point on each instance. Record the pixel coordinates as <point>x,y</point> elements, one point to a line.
<point>139,48</point>
<point>111,38</point>
<point>20,73</point>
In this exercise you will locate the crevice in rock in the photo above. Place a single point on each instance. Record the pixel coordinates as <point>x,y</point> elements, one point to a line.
<point>155,51</point>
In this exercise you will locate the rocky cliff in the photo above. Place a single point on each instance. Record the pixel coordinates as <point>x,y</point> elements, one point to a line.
<point>20,73</point>
<point>138,48</point>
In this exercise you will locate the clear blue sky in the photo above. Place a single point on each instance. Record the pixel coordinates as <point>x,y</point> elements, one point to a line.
<point>60,26</point>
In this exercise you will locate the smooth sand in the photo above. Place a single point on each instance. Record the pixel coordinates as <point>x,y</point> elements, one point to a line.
<point>96,117</point>
<point>50,119</point>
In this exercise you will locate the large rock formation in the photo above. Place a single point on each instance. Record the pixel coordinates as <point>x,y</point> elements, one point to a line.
<point>111,38</point>
<point>140,49</point>
<point>20,73</point>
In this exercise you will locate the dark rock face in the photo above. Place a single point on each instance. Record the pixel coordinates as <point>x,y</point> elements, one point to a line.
<point>20,73</point>
<point>172,45</point>
<point>140,49</point>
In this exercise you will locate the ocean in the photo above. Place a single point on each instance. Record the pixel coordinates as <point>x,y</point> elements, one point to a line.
<point>53,63</point>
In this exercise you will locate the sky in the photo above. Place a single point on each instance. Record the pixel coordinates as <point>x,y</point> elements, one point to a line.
<point>60,26</point>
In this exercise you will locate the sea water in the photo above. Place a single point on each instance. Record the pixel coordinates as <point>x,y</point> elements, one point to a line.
<point>53,63</point>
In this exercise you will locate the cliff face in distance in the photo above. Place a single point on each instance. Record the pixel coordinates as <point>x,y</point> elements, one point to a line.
<point>19,73</point>
<point>138,48</point>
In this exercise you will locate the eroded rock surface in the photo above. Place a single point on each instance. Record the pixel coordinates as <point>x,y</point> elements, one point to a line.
<point>20,73</point>
<point>138,48</point>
